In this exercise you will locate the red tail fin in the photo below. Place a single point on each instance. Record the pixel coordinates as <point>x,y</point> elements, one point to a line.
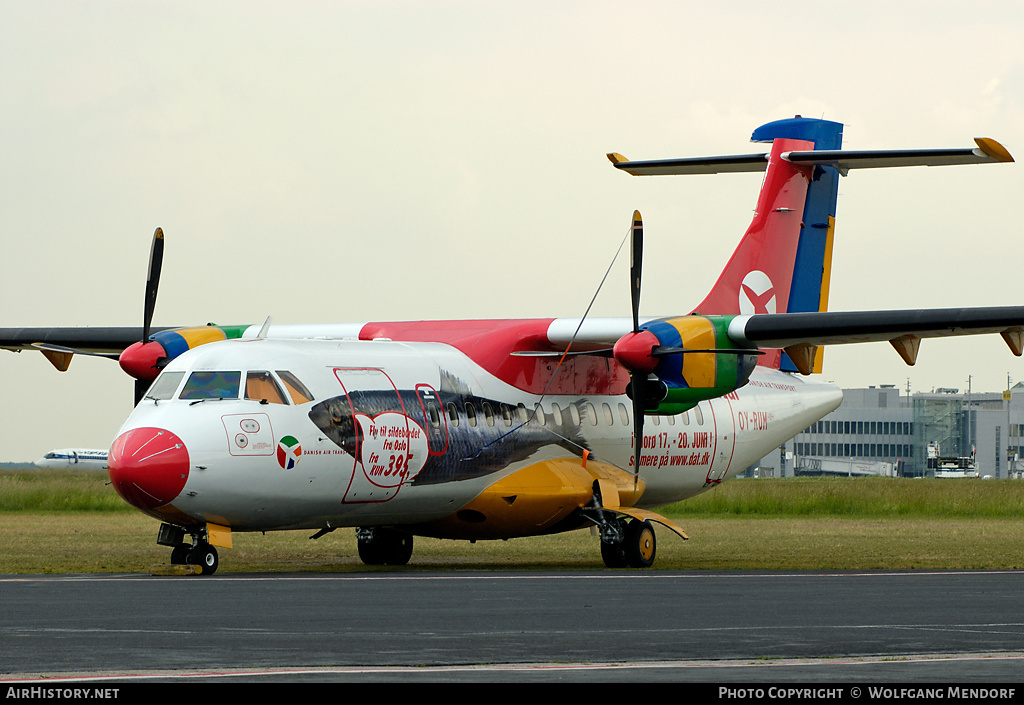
<point>759,274</point>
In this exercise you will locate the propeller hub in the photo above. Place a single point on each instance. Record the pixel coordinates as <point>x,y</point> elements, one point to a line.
<point>634,351</point>
<point>141,359</point>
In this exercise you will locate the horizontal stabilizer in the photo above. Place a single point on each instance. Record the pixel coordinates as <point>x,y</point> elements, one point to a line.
<point>988,151</point>
<point>903,329</point>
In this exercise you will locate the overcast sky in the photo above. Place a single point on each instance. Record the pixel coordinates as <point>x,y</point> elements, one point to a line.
<point>348,161</point>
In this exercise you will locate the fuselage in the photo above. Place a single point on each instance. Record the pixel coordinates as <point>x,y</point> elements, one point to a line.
<point>260,435</point>
<point>74,459</point>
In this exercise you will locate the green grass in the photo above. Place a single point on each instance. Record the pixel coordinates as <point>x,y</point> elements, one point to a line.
<point>58,491</point>
<point>73,522</point>
<point>859,497</point>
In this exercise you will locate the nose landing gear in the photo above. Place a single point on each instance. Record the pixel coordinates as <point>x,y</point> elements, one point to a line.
<point>199,553</point>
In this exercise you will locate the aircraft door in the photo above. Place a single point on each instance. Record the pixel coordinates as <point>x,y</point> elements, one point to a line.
<point>434,419</point>
<point>725,439</point>
<point>389,445</point>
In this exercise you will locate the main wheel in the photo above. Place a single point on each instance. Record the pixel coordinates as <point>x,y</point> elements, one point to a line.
<point>640,543</point>
<point>384,547</point>
<point>205,556</point>
<point>614,552</point>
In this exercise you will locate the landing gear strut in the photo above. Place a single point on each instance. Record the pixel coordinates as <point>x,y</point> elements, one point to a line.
<point>379,546</point>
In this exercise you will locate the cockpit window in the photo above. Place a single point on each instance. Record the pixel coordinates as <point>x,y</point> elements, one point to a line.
<point>165,386</point>
<point>211,385</point>
<point>262,387</point>
<point>300,394</point>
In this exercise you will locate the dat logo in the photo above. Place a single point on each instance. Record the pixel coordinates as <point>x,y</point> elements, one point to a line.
<point>757,293</point>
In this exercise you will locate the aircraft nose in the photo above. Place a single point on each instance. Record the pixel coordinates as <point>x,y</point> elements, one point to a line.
<point>148,466</point>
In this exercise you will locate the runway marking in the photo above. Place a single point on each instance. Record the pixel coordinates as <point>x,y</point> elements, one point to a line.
<point>514,668</point>
<point>510,576</point>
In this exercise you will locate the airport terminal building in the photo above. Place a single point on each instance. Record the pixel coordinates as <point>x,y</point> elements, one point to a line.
<point>881,431</point>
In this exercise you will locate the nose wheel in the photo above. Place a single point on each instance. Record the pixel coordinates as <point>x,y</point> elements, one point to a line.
<point>204,555</point>
<point>199,553</point>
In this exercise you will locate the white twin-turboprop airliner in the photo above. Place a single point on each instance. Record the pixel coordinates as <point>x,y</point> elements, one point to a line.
<point>495,429</point>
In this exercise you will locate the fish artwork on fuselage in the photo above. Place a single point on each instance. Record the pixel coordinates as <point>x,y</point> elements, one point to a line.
<point>424,436</point>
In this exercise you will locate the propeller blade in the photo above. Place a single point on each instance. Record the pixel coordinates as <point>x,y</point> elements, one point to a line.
<point>636,266</point>
<point>663,350</point>
<point>156,259</point>
<point>636,262</point>
<point>141,387</point>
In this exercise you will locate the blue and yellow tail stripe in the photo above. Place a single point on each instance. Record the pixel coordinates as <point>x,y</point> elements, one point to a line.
<point>813,264</point>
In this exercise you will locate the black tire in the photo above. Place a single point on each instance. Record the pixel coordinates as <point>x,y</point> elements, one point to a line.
<point>385,547</point>
<point>205,556</point>
<point>399,549</point>
<point>614,553</point>
<point>641,545</point>
<point>179,554</point>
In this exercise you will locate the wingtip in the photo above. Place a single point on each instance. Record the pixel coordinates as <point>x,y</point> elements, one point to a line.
<point>993,149</point>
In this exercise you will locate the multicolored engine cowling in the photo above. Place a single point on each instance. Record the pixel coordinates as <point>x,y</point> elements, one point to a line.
<point>689,377</point>
<point>145,359</point>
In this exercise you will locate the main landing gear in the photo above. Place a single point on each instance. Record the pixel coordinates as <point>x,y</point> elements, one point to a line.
<point>628,544</point>
<point>199,553</point>
<point>379,546</point>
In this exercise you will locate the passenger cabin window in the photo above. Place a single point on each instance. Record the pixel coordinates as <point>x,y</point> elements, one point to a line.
<point>261,386</point>
<point>165,386</point>
<point>211,385</point>
<point>433,415</point>
<point>299,392</point>
<point>608,417</point>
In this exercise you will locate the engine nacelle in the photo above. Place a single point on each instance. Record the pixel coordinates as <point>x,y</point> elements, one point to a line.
<point>145,359</point>
<point>690,359</point>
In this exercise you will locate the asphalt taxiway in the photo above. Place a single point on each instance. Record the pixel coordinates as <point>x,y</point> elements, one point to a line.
<point>517,626</point>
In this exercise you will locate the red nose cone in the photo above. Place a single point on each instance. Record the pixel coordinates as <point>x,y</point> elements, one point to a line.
<point>148,466</point>
<point>633,351</point>
<point>139,359</point>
